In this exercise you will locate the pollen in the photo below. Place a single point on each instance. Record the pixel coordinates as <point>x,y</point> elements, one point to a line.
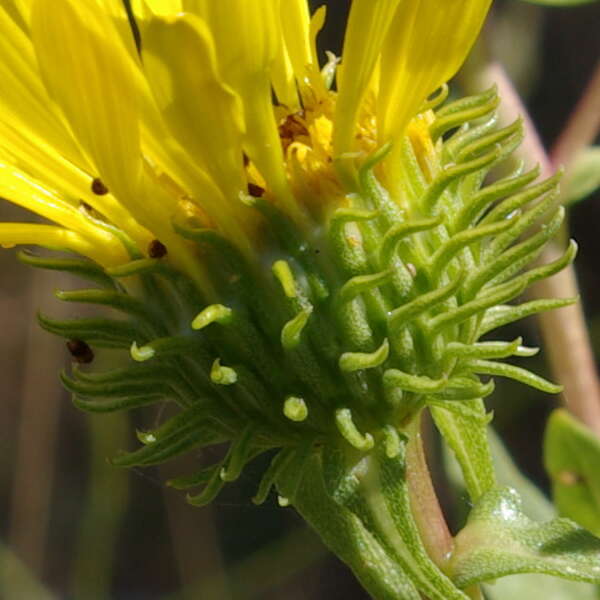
<point>307,141</point>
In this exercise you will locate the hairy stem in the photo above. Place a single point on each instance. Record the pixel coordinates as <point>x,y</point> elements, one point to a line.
<point>425,506</point>
<point>346,535</point>
<point>424,502</point>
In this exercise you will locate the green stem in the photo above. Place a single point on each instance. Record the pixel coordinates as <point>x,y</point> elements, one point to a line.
<point>424,504</point>
<point>361,507</point>
<point>348,537</point>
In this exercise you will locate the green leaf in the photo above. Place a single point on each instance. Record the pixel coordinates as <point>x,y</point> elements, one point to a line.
<point>107,405</point>
<point>531,586</point>
<point>499,539</point>
<point>571,457</point>
<point>536,506</point>
<point>583,176</point>
<point>117,300</point>
<point>539,587</point>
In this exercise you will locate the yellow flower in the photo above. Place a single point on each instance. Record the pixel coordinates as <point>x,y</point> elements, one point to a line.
<point>110,144</point>
<point>302,268</point>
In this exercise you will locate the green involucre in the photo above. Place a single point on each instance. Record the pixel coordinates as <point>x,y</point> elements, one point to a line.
<point>337,336</point>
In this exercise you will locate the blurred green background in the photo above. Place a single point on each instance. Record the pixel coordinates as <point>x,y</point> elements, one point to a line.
<point>73,526</point>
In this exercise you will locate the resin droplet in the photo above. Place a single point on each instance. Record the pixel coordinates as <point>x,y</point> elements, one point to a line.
<point>215,313</point>
<point>141,353</point>
<point>222,375</point>
<point>292,330</point>
<point>295,409</point>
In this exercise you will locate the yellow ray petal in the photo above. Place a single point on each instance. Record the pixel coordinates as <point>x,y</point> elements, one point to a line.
<point>18,10</point>
<point>425,46</point>
<point>295,56</point>
<point>317,21</point>
<point>203,114</point>
<point>248,39</point>
<point>283,80</point>
<point>34,157</point>
<point>88,71</point>
<point>160,149</point>
<point>197,7</point>
<point>368,24</point>
<point>295,23</point>
<point>38,161</point>
<point>108,253</point>
<point>24,102</point>
<point>165,8</point>
<point>24,191</point>
<point>247,35</point>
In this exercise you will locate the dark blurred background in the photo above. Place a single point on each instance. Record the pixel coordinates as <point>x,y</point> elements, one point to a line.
<point>75,527</point>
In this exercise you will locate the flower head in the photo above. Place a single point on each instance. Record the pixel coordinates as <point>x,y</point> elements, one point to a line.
<point>300,267</point>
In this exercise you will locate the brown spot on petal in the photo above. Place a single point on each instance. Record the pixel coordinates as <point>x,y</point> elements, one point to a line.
<point>98,187</point>
<point>255,190</point>
<point>156,249</point>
